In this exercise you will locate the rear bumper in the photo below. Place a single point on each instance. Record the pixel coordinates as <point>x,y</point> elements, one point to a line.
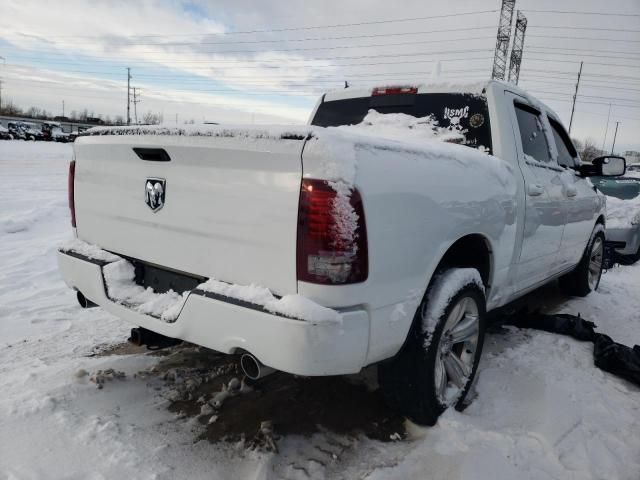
<point>290,345</point>
<point>625,241</point>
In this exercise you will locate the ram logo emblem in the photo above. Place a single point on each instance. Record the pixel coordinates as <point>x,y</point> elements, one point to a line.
<point>154,193</point>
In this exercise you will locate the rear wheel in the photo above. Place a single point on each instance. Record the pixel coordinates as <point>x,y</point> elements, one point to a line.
<point>436,367</point>
<point>586,276</point>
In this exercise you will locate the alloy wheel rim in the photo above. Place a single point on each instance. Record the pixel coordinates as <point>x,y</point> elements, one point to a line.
<point>595,263</point>
<point>456,350</point>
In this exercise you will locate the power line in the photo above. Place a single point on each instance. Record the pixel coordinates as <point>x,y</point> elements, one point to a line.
<point>287,40</point>
<point>566,27</point>
<point>585,13</point>
<point>545,47</point>
<point>292,62</point>
<point>543,51</point>
<point>590,63</point>
<point>324,78</point>
<point>334,47</point>
<point>348,65</point>
<point>542,80</point>
<point>595,103</point>
<point>599,97</point>
<point>293,29</point>
<point>559,37</point>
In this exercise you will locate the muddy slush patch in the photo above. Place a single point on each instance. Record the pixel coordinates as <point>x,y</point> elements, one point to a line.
<point>193,378</point>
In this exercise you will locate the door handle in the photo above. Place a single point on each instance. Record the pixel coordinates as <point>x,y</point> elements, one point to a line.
<point>571,191</point>
<point>535,190</point>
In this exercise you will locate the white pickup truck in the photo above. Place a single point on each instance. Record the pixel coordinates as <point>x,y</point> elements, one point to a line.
<point>380,233</point>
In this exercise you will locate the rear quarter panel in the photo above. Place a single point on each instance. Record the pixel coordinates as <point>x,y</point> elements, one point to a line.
<point>417,203</point>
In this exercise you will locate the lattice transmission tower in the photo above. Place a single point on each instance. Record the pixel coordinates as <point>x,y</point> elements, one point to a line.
<point>517,47</point>
<point>502,40</point>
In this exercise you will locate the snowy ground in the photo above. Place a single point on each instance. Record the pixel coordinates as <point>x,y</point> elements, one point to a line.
<point>543,412</point>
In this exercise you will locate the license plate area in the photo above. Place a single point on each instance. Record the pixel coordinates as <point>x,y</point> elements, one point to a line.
<point>161,280</point>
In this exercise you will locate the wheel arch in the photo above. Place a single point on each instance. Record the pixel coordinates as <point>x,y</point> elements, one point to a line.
<point>469,251</point>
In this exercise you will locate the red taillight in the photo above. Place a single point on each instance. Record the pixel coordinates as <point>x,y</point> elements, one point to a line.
<point>70,190</point>
<point>393,90</point>
<point>332,235</point>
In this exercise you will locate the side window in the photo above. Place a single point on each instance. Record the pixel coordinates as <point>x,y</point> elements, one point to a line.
<point>534,142</point>
<point>566,152</point>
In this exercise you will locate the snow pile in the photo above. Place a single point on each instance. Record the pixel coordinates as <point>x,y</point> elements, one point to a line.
<point>88,250</point>
<point>402,127</point>
<point>119,277</point>
<point>275,132</point>
<point>543,411</point>
<point>293,306</point>
<point>623,213</point>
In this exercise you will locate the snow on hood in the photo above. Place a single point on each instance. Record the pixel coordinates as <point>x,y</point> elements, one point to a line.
<point>623,213</point>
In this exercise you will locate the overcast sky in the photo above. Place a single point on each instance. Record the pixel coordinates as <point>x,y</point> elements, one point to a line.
<point>247,61</point>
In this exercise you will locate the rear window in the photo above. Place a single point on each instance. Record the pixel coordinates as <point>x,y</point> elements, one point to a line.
<point>459,112</point>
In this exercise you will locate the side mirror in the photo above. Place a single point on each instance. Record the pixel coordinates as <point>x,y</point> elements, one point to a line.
<point>606,166</point>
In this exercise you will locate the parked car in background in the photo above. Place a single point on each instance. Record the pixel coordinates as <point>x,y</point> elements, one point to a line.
<point>633,170</point>
<point>33,131</point>
<point>48,129</point>
<point>61,136</point>
<point>17,129</point>
<point>318,250</point>
<point>623,216</point>
<point>5,134</point>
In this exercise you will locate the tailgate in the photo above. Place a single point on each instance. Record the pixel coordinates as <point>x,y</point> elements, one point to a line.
<point>229,212</point>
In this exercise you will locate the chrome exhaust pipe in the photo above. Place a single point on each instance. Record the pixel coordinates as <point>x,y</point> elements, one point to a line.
<point>253,368</point>
<point>84,301</point>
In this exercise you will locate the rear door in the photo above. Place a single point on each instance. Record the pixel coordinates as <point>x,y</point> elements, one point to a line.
<point>223,208</point>
<point>545,210</point>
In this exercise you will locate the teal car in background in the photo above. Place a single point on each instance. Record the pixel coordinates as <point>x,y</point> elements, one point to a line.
<point>623,216</point>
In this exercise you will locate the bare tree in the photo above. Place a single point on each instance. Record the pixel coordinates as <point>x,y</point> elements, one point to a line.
<point>10,108</point>
<point>152,118</point>
<point>589,150</point>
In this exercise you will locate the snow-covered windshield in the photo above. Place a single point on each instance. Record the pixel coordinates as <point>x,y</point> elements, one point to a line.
<point>460,113</point>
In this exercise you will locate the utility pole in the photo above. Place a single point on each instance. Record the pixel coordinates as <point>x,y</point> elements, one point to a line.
<point>606,130</point>
<point>614,138</point>
<point>574,97</point>
<point>135,105</point>
<point>128,96</point>
<point>4,63</point>
<point>63,108</point>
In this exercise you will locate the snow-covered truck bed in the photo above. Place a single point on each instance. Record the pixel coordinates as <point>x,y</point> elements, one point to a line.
<point>382,231</point>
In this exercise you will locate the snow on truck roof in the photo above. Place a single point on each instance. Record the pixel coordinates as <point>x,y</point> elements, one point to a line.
<point>429,87</point>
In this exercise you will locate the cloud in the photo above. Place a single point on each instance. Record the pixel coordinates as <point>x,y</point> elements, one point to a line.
<point>193,57</point>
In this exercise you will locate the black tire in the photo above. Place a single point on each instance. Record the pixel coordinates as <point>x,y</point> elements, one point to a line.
<point>408,380</point>
<point>578,282</point>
